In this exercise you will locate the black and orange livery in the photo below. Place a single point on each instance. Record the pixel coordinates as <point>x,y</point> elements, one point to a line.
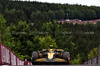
<point>50,56</point>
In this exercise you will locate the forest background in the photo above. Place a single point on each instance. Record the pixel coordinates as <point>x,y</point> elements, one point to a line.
<point>29,26</point>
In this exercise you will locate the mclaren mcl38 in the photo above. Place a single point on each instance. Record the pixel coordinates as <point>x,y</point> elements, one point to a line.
<point>50,57</point>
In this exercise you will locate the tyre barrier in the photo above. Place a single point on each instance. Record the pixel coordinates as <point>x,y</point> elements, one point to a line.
<point>7,57</point>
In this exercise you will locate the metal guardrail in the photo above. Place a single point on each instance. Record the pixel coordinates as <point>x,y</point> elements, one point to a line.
<point>93,61</point>
<point>7,57</point>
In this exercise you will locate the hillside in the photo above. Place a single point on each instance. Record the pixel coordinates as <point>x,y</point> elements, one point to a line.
<point>45,11</point>
<point>31,26</point>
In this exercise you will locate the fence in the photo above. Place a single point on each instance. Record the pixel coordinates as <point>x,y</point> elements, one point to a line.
<point>7,57</point>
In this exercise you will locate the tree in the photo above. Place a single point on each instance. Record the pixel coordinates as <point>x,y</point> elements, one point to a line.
<point>1,8</point>
<point>23,38</point>
<point>93,53</point>
<point>63,41</point>
<point>33,16</point>
<point>6,36</point>
<point>2,26</point>
<point>46,16</point>
<point>47,41</point>
<point>93,14</point>
<point>60,14</point>
<point>77,60</point>
<point>51,15</point>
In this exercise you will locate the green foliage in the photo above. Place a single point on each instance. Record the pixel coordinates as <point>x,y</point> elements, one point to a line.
<point>1,8</point>
<point>33,16</point>
<point>2,22</point>
<point>65,42</point>
<point>22,38</point>
<point>93,53</point>
<point>7,38</point>
<point>52,28</point>
<point>47,41</point>
<point>43,12</point>
<point>22,27</point>
<point>19,55</point>
<point>51,15</point>
<point>60,14</point>
<point>76,61</point>
<point>3,29</point>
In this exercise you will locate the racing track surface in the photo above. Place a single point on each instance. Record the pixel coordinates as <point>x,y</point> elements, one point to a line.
<point>66,65</point>
<point>49,65</point>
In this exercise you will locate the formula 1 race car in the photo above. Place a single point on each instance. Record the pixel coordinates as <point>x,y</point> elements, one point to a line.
<point>50,56</point>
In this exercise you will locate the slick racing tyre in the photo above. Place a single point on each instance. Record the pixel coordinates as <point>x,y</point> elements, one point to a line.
<point>65,56</point>
<point>35,55</point>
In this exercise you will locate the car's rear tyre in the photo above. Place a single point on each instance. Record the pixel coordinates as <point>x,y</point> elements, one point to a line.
<point>35,55</point>
<point>65,56</point>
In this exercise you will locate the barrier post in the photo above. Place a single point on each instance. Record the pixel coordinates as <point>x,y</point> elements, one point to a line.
<point>97,59</point>
<point>0,55</point>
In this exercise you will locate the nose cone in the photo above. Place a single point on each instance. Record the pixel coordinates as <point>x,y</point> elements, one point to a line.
<point>50,55</point>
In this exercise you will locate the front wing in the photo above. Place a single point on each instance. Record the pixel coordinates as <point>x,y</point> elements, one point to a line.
<point>56,61</point>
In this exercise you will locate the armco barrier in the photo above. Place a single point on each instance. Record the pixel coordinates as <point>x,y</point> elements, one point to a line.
<point>99,59</point>
<point>93,61</point>
<point>7,57</point>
